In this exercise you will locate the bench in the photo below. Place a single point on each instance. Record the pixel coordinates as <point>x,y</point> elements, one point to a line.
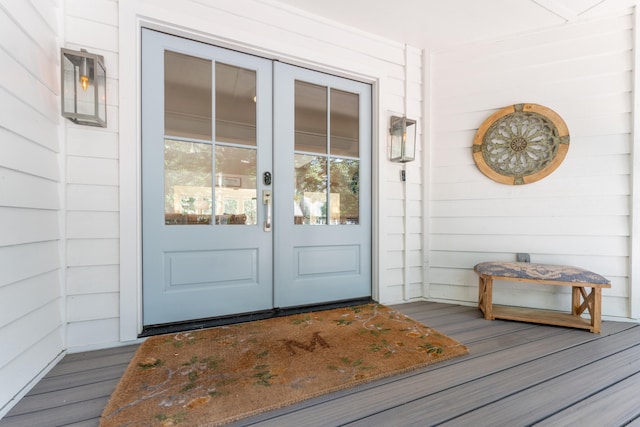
<point>560,275</point>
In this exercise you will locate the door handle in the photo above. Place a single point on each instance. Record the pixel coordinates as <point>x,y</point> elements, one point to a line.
<point>266,200</point>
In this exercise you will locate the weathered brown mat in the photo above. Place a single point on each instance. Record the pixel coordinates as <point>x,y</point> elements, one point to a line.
<point>215,376</point>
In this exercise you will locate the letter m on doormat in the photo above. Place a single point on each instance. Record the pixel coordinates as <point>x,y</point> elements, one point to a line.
<point>316,339</point>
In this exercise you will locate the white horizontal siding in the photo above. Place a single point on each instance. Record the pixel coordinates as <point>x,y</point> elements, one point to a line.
<point>33,93</point>
<point>92,279</point>
<point>584,186</point>
<point>401,203</point>
<point>90,142</point>
<point>91,307</point>
<point>81,224</point>
<point>534,207</point>
<point>559,245</point>
<point>540,226</point>
<point>91,193</point>
<point>28,226</point>
<point>22,370</point>
<point>607,266</point>
<point>30,287</point>
<point>578,215</point>
<point>42,193</point>
<point>22,119</point>
<point>92,334</point>
<point>91,33</point>
<point>35,51</point>
<point>84,197</point>
<point>33,293</point>
<point>38,322</point>
<point>87,252</point>
<point>20,154</point>
<point>92,170</point>
<point>20,262</point>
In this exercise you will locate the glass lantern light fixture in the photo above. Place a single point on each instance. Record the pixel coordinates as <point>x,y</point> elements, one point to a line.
<point>83,86</point>
<point>403,139</point>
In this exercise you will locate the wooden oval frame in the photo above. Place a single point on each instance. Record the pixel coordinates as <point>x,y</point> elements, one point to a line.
<point>552,116</point>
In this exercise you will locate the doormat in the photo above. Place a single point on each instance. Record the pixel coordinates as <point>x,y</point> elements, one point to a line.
<point>219,375</point>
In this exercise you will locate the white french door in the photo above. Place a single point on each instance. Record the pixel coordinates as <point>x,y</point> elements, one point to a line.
<point>255,182</point>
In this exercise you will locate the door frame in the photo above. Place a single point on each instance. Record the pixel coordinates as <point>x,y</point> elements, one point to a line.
<point>130,188</point>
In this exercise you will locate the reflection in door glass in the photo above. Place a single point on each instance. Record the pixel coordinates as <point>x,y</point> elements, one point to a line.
<point>310,191</point>
<point>344,191</point>
<point>345,124</point>
<point>187,96</point>
<point>235,104</point>
<point>187,182</point>
<point>326,195</point>
<point>310,118</point>
<point>236,190</point>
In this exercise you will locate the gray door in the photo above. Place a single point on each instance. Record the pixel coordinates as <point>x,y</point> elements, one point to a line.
<point>322,155</point>
<point>228,195</point>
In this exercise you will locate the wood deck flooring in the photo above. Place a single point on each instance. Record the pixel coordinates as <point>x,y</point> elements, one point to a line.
<point>516,374</point>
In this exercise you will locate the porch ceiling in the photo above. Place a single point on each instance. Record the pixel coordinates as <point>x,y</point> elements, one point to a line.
<point>434,24</point>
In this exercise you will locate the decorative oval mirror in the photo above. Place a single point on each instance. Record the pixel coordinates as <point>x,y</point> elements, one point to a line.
<point>521,144</point>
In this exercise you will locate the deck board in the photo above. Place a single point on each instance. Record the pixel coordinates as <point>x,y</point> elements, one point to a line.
<point>548,391</point>
<point>62,382</point>
<point>501,394</point>
<point>597,407</point>
<point>515,374</point>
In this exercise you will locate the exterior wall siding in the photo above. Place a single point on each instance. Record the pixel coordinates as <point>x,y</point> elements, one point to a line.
<point>91,191</point>
<point>580,214</point>
<point>31,319</point>
<point>401,208</point>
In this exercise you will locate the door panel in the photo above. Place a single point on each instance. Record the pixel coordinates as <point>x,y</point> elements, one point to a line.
<point>327,260</point>
<point>198,268</point>
<point>206,134</point>
<point>322,202</point>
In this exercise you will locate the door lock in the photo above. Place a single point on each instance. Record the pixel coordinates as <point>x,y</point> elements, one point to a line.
<point>266,178</point>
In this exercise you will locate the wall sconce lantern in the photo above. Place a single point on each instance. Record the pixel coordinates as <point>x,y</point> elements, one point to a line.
<point>84,89</point>
<point>403,139</point>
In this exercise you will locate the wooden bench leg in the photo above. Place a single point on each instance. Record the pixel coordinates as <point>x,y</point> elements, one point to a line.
<point>485,290</point>
<point>576,303</point>
<point>591,302</point>
<point>596,313</point>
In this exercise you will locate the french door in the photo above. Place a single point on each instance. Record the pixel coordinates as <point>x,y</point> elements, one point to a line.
<point>255,183</point>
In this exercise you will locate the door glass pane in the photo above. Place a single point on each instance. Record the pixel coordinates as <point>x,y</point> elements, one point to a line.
<point>310,189</point>
<point>319,200</point>
<point>344,191</point>
<point>187,96</point>
<point>345,120</point>
<point>187,182</point>
<point>310,118</point>
<point>236,188</point>
<point>235,105</point>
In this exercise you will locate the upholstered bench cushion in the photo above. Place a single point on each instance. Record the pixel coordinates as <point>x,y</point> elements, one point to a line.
<point>527,270</point>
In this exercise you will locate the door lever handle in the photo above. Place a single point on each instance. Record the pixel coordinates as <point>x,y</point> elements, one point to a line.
<point>266,200</point>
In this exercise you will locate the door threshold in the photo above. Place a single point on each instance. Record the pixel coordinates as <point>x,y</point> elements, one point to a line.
<point>171,328</point>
